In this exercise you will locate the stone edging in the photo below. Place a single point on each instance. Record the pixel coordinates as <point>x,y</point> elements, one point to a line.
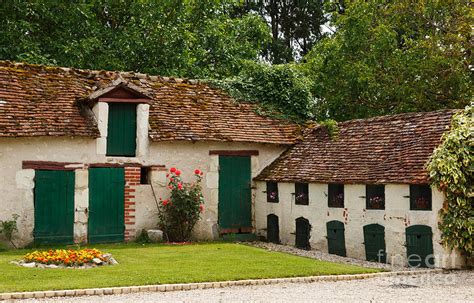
<point>203,285</point>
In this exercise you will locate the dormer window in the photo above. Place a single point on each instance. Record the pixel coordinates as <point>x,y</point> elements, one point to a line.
<point>122,129</point>
<point>118,109</point>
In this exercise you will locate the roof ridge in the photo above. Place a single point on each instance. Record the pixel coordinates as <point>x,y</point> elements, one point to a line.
<point>398,116</point>
<point>96,72</point>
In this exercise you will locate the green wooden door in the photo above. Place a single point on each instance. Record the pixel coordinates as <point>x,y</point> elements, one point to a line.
<point>374,241</point>
<point>54,206</point>
<point>273,229</point>
<point>336,240</point>
<point>419,246</point>
<point>106,205</point>
<point>303,233</point>
<point>122,129</point>
<point>235,206</point>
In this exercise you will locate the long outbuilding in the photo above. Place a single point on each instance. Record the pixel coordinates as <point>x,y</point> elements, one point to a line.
<point>84,156</point>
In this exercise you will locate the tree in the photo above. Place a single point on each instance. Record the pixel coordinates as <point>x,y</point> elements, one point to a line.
<point>390,57</point>
<point>170,37</point>
<point>295,26</point>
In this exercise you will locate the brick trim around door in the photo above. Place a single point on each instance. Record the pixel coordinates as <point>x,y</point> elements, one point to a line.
<point>132,180</point>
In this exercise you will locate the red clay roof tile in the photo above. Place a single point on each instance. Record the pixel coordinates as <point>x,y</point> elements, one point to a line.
<point>389,149</point>
<point>45,101</point>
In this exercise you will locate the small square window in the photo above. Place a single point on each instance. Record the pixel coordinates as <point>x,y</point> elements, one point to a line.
<point>272,192</point>
<point>301,194</point>
<point>145,175</point>
<point>375,196</point>
<point>420,197</point>
<point>335,195</point>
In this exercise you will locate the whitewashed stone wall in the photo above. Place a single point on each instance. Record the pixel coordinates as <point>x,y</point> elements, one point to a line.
<point>395,218</point>
<point>17,184</point>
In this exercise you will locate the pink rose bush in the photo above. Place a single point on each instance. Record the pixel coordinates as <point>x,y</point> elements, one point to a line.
<point>182,210</point>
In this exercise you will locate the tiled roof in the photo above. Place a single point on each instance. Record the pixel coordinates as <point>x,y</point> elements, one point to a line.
<point>47,101</point>
<point>389,149</point>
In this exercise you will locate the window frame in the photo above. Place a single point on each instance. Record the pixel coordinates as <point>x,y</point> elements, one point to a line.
<point>416,191</point>
<point>373,191</point>
<point>301,193</point>
<point>334,190</point>
<point>272,187</point>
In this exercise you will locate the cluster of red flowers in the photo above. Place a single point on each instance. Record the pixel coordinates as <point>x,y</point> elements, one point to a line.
<point>176,183</point>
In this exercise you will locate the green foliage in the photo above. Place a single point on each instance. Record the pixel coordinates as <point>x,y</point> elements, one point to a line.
<point>281,90</point>
<point>390,57</point>
<point>451,170</point>
<point>331,127</point>
<point>179,214</point>
<point>169,37</point>
<point>8,227</point>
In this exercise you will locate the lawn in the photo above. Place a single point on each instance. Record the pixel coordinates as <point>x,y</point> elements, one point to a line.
<point>160,264</point>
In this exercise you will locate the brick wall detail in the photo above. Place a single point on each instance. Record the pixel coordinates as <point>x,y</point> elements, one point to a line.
<point>132,180</point>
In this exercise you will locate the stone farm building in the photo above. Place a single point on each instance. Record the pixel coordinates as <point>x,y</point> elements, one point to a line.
<point>84,156</point>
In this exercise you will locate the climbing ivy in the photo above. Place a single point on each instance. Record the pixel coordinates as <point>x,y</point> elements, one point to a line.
<point>451,170</point>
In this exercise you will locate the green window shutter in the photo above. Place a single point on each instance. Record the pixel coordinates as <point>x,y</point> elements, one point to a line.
<point>122,129</point>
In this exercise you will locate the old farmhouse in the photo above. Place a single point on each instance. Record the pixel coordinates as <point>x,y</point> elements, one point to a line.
<point>84,156</point>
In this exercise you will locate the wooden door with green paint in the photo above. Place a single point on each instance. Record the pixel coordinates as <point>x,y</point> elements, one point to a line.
<point>54,206</point>
<point>106,205</point>
<point>235,205</point>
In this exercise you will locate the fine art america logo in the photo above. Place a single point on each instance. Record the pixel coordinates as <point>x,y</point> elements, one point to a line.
<point>418,261</point>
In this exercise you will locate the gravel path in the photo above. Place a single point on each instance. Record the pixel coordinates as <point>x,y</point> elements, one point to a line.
<point>457,286</point>
<point>319,255</point>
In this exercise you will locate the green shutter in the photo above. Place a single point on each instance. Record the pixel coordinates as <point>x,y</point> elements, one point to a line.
<point>273,229</point>
<point>374,241</point>
<point>336,239</point>
<point>106,205</point>
<point>303,233</point>
<point>54,206</point>
<point>235,205</point>
<point>419,246</point>
<point>122,129</point>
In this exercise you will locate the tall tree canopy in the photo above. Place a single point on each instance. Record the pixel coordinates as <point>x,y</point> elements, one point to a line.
<point>393,56</point>
<point>295,26</point>
<point>170,37</point>
<point>382,56</point>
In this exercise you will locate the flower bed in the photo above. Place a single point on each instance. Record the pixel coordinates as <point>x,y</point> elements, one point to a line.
<point>80,258</point>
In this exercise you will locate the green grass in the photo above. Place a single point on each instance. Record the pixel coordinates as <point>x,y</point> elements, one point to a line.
<point>160,264</point>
